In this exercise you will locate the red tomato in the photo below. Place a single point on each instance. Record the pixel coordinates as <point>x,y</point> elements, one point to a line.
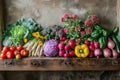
<point>3,56</point>
<point>20,47</point>
<point>5,49</point>
<point>12,48</point>
<point>24,53</point>
<point>10,55</point>
<point>16,52</point>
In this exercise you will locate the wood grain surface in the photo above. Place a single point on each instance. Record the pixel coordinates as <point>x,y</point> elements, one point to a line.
<point>59,64</point>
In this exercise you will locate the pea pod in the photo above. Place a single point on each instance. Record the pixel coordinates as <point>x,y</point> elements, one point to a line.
<point>103,42</point>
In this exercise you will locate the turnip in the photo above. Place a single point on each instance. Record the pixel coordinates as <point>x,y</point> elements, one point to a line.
<point>98,52</point>
<point>107,53</point>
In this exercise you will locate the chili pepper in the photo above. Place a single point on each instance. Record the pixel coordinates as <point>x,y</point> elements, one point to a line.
<point>82,50</point>
<point>96,33</point>
<point>103,42</point>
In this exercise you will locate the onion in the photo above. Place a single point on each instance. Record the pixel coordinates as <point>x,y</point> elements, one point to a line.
<point>115,53</point>
<point>107,53</point>
<point>110,44</point>
<point>98,52</point>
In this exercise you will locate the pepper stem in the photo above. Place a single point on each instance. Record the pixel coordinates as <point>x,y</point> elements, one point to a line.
<point>81,51</point>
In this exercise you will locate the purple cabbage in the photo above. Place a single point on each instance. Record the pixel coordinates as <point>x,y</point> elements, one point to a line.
<point>50,48</point>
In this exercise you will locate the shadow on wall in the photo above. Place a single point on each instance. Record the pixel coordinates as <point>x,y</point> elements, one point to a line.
<point>48,12</point>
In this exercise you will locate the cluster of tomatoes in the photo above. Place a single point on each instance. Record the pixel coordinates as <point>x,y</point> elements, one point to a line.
<point>13,52</point>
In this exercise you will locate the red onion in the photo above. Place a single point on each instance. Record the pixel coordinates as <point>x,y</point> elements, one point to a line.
<point>110,44</point>
<point>98,52</point>
<point>107,53</point>
<point>115,53</point>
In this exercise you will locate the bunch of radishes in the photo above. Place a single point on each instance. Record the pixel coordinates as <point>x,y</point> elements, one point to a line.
<point>66,47</point>
<point>93,48</point>
<point>109,50</point>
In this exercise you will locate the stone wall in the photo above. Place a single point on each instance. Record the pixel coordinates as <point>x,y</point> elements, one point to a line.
<point>48,12</point>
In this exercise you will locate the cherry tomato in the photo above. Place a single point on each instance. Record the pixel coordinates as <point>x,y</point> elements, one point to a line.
<point>16,52</point>
<point>18,57</point>
<point>5,49</point>
<point>10,55</point>
<point>4,52</point>
<point>24,53</point>
<point>12,48</point>
<point>20,47</point>
<point>3,56</point>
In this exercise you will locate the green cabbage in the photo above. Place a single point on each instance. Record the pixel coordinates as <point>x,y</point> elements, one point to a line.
<point>17,34</point>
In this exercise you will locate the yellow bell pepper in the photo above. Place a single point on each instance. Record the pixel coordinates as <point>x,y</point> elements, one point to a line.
<point>82,50</point>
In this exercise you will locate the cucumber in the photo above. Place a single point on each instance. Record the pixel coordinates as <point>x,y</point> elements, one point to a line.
<point>117,44</point>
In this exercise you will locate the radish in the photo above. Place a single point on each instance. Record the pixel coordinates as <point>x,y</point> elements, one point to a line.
<point>72,53</point>
<point>110,44</point>
<point>61,53</point>
<point>67,47</point>
<point>91,43</point>
<point>96,44</point>
<point>72,43</point>
<point>62,38</point>
<point>66,55</point>
<point>91,47</point>
<point>87,42</point>
<point>61,45</point>
<point>115,53</point>
<point>107,52</point>
<point>91,54</point>
<point>98,52</point>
